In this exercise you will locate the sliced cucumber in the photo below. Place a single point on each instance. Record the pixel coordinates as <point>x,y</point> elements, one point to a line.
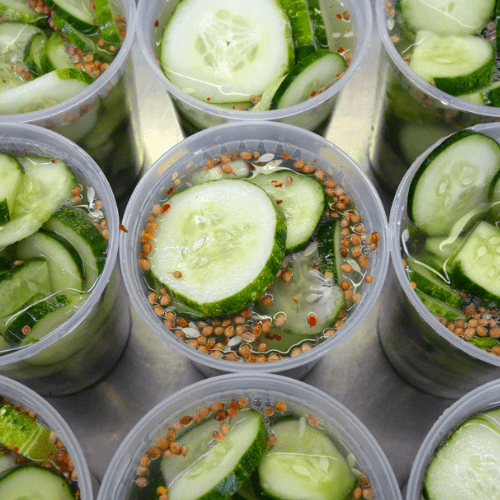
<point>302,199</point>
<point>34,53</point>
<point>439,308</point>
<point>456,65</point>
<point>452,180</point>
<point>487,96</point>
<point>19,10</point>
<point>11,179</point>
<point>447,17</point>
<point>32,323</point>
<point>65,264</point>
<point>227,52</point>
<point>56,55</point>
<point>46,90</point>
<point>304,464</point>
<point>44,189</point>
<point>329,245</point>
<point>76,12</point>
<point>77,38</point>
<point>311,76</point>
<point>467,465</point>
<point>476,266</point>
<point>239,169</point>
<point>77,229</point>
<point>226,238</point>
<point>107,24</point>
<point>318,23</point>
<point>302,33</point>
<point>25,435</point>
<point>216,470</point>
<point>309,301</point>
<point>442,246</point>
<point>20,283</point>
<point>34,483</point>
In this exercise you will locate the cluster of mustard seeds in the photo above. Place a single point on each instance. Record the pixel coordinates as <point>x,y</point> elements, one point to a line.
<point>62,462</point>
<point>246,336</point>
<point>170,443</point>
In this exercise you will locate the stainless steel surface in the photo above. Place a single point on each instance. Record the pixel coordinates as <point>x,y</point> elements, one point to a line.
<point>357,374</point>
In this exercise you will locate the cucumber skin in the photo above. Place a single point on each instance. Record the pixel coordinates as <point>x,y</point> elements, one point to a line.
<point>462,282</point>
<point>77,23</point>
<point>457,136</point>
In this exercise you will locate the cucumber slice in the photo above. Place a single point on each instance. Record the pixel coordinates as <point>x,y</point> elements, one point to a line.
<point>329,245</point>
<point>25,435</point>
<point>19,10</point>
<point>487,96</point>
<point>56,55</point>
<point>302,199</point>
<point>20,283</point>
<point>447,17</point>
<point>31,323</point>
<point>44,91</point>
<point>46,186</point>
<point>216,470</point>
<point>74,227</point>
<point>239,169</point>
<point>442,247</point>
<point>304,464</point>
<point>226,52</point>
<point>107,24</point>
<point>311,76</point>
<point>467,465</point>
<point>302,33</point>
<point>77,38</point>
<point>267,97</point>
<point>431,284</point>
<point>439,308</point>
<point>65,264</point>
<point>226,238</point>
<point>32,483</point>
<point>11,179</point>
<point>476,266</point>
<point>309,301</point>
<point>453,179</point>
<point>318,24</point>
<point>76,12</point>
<point>34,52</point>
<point>456,65</point>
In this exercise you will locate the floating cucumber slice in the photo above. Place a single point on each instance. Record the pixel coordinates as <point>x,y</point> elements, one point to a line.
<point>467,465</point>
<point>107,24</point>
<point>457,65</point>
<point>25,435</point>
<point>76,12</point>
<point>447,17</point>
<point>302,33</point>
<point>309,301</point>
<point>56,55</point>
<point>239,168</point>
<point>476,265</point>
<point>318,24</point>
<point>11,179</point>
<point>302,199</point>
<point>34,482</point>
<point>216,470</point>
<point>34,52</point>
<point>46,90</point>
<point>304,464</point>
<point>219,245</point>
<point>74,227</point>
<point>65,264</point>
<point>309,77</point>
<point>329,245</point>
<point>19,10</point>
<point>453,179</point>
<point>227,52</point>
<point>77,38</point>
<point>44,189</point>
<point>20,283</point>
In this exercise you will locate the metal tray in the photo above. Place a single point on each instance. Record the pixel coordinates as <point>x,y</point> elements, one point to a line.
<point>358,374</point>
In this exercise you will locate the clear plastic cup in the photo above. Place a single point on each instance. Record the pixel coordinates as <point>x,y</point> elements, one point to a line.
<point>99,118</point>
<point>16,392</point>
<point>83,349</point>
<point>196,115</point>
<point>480,400</point>
<point>270,137</point>
<point>333,418</point>
<point>413,114</point>
<point>422,350</point>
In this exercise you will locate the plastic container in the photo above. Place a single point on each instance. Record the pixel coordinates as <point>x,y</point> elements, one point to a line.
<point>16,392</point>
<point>84,348</point>
<point>480,400</point>
<point>413,114</point>
<point>333,418</point>
<point>269,137</point>
<point>422,350</point>
<point>199,115</point>
<point>99,118</point>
